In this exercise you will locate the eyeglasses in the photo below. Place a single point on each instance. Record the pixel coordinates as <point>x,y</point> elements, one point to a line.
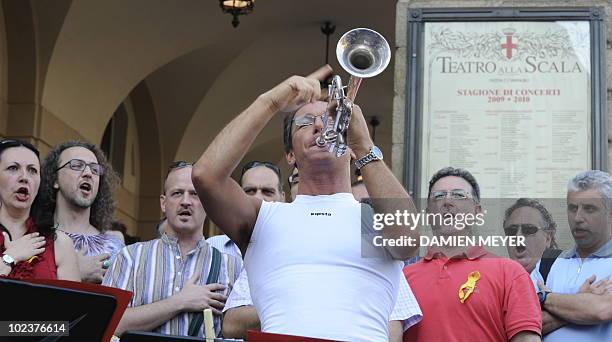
<point>307,120</point>
<point>527,229</point>
<point>79,165</point>
<point>457,194</point>
<point>255,163</point>
<point>179,164</point>
<point>8,141</point>
<point>293,179</point>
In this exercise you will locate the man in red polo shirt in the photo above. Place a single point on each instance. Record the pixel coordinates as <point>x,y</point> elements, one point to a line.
<point>467,293</point>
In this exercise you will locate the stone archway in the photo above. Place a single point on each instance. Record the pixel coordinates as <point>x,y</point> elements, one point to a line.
<point>21,70</point>
<point>150,165</point>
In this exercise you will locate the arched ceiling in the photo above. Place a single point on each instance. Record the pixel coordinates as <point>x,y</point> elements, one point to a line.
<point>199,70</point>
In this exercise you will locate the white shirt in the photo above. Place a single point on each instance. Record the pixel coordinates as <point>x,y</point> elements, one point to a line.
<point>535,276</point>
<point>406,308</point>
<point>225,245</point>
<point>566,276</point>
<point>307,275</point>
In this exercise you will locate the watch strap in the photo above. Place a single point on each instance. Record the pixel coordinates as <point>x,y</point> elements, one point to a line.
<point>363,161</point>
<point>543,295</point>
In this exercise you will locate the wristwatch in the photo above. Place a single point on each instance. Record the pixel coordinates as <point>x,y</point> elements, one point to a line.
<point>8,260</point>
<point>373,155</point>
<point>542,295</point>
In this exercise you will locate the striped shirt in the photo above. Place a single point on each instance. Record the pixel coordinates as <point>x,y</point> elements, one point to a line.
<point>155,270</point>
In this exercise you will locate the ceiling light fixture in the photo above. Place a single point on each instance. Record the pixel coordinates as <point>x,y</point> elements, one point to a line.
<point>236,8</point>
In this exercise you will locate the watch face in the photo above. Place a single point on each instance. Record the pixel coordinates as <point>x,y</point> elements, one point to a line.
<point>8,259</point>
<point>377,152</point>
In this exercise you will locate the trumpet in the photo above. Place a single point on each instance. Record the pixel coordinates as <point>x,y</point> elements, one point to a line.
<point>363,53</point>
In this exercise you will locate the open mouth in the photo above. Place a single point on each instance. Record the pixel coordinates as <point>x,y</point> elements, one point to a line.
<point>520,249</point>
<point>23,194</point>
<point>580,232</point>
<point>85,187</point>
<point>184,214</point>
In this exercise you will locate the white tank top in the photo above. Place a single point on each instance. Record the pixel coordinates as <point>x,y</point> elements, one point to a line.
<point>307,275</point>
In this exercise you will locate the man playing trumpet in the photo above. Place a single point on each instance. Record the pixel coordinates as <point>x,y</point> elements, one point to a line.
<point>304,259</point>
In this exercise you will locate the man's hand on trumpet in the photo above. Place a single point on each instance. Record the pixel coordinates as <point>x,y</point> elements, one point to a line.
<point>296,91</point>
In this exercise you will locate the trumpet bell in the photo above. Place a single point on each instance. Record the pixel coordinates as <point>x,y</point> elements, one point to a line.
<point>363,52</point>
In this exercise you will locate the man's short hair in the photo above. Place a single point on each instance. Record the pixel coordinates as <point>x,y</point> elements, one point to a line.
<point>549,221</point>
<point>457,172</point>
<point>254,163</point>
<point>175,165</point>
<point>593,179</point>
<point>287,130</point>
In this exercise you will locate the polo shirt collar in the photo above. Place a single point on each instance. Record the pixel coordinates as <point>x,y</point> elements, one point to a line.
<point>604,251</point>
<point>472,253</point>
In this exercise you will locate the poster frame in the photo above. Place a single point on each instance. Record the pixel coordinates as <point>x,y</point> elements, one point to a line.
<point>418,17</point>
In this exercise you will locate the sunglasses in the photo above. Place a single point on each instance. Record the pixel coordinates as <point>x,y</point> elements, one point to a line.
<point>8,143</point>
<point>80,165</point>
<point>293,179</point>
<point>457,194</point>
<point>307,120</point>
<point>255,163</point>
<point>527,229</point>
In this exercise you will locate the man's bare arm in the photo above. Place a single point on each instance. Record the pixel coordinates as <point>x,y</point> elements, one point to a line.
<point>551,322</point>
<point>236,321</point>
<point>387,193</point>
<point>396,331</point>
<point>219,193</point>
<point>211,176</point>
<point>580,308</point>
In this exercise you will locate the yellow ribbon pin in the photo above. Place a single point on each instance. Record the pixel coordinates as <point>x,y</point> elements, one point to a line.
<point>32,259</point>
<point>468,287</point>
